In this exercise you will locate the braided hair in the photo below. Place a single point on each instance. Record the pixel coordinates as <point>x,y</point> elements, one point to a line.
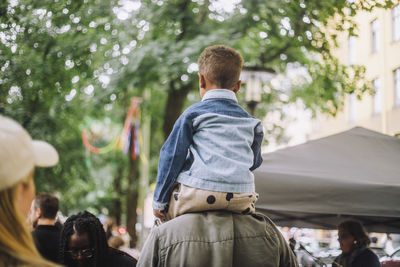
<point>84,222</point>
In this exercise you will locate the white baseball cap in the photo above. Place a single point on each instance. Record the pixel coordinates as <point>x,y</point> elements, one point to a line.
<point>19,154</point>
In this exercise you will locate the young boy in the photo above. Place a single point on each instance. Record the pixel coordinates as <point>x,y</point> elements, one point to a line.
<point>207,161</point>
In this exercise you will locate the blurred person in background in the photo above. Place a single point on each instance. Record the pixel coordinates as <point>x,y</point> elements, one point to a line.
<point>354,243</point>
<point>118,242</point>
<point>112,229</point>
<point>109,229</point>
<point>387,244</point>
<point>84,244</point>
<point>19,155</point>
<point>46,233</point>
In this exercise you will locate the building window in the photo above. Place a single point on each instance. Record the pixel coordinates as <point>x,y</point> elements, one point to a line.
<point>396,23</point>
<point>352,50</point>
<point>352,107</point>
<point>396,76</point>
<point>375,36</point>
<point>377,101</point>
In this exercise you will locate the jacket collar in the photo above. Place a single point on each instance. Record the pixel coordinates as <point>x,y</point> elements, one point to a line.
<point>220,93</point>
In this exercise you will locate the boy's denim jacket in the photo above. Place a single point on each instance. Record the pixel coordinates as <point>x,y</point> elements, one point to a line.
<point>214,145</point>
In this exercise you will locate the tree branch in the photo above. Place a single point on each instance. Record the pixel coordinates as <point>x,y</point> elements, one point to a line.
<point>298,28</point>
<point>277,53</point>
<point>183,8</point>
<point>47,49</point>
<point>204,12</point>
<point>29,113</point>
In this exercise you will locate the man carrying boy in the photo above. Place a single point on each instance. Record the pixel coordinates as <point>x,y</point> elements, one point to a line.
<point>207,161</point>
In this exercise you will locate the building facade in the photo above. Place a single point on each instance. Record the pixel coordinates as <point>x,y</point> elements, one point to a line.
<point>377,47</point>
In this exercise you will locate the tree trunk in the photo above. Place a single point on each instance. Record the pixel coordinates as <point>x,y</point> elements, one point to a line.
<point>173,109</point>
<point>117,204</point>
<point>132,197</point>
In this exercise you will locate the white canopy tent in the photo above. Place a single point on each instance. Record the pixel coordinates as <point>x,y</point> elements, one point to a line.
<point>353,174</point>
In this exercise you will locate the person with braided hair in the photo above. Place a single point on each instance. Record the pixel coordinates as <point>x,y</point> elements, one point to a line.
<point>84,243</point>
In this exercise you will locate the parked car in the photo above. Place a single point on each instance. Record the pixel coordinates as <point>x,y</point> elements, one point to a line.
<point>392,260</point>
<point>380,252</point>
<point>396,254</point>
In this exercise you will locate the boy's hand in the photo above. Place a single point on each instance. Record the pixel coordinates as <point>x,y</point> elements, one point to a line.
<point>159,214</point>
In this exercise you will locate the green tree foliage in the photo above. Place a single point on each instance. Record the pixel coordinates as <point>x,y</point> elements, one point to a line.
<point>271,35</point>
<point>50,52</point>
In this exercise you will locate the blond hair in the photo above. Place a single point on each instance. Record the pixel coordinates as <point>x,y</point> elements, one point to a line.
<point>221,65</point>
<point>16,243</point>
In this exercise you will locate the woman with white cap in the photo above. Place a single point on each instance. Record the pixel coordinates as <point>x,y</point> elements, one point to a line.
<point>19,155</point>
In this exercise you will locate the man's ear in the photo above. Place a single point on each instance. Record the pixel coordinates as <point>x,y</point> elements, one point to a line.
<point>202,81</point>
<point>38,213</point>
<point>236,87</point>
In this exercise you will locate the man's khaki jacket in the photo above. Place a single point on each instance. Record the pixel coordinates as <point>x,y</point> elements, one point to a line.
<point>217,239</point>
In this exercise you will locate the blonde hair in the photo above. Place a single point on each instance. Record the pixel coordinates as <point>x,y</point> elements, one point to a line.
<point>16,243</point>
<point>221,65</point>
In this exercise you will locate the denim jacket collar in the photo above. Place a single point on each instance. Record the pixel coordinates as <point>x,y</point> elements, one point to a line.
<point>220,93</point>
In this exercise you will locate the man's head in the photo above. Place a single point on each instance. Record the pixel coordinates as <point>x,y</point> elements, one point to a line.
<point>44,206</point>
<point>220,66</point>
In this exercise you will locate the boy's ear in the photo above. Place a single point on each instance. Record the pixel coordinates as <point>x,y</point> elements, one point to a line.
<point>202,81</point>
<point>236,88</point>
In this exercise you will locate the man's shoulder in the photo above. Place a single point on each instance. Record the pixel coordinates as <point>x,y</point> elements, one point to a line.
<point>46,234</point>
<point>213,226</point>
<point>43,229</point>
<point>207,216</point>
<point>217,238</point>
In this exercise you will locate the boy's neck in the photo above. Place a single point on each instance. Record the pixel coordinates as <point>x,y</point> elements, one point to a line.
<point>211,86</point>
<point>204,91</point>
<point>216,88</point>
<point>206,85</point>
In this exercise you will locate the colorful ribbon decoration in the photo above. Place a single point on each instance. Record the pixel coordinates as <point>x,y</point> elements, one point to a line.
<point>128,137</point>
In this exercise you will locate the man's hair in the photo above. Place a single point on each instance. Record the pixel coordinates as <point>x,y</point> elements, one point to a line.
<point>221,65</point>
<point>356,230</point>
<point>81,223</point>
<point>48,205</point>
